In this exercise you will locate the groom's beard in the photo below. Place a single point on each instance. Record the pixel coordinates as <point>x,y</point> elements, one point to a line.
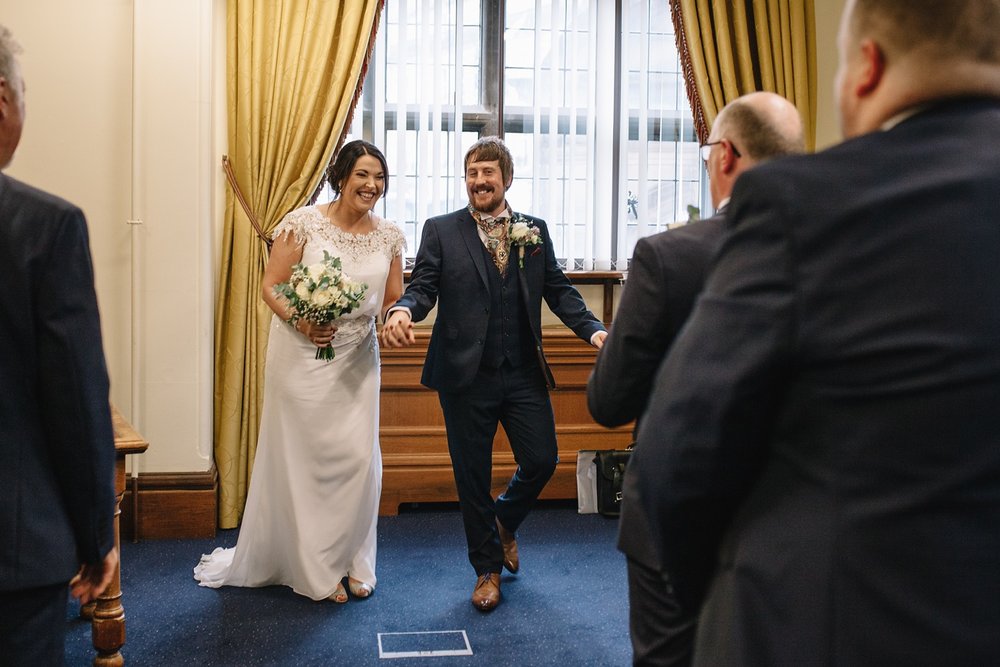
<point>487,202</point>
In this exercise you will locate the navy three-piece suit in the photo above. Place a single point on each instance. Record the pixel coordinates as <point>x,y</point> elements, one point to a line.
<point>486,361</point>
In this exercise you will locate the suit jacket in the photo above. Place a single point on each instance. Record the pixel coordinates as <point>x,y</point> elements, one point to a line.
<point>56,439</point>
<point>450,269</point>
<point>667,272</point>
<point>821,456</point>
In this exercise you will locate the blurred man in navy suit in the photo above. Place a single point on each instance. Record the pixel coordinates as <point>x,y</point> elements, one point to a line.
<point>665,276</point>
<point>56,439</point>
<point>820,460</point>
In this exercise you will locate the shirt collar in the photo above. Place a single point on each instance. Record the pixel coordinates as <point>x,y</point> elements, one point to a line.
<point>490,218</point>
<point>901,116</point>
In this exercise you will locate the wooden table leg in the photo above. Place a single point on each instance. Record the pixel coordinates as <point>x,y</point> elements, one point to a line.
<point>107,625</point>
<point>107,615</point>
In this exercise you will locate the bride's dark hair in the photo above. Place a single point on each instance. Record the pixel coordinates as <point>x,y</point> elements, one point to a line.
<point>348,155</point>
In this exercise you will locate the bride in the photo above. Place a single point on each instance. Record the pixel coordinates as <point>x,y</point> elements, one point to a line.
<point>312,505</point>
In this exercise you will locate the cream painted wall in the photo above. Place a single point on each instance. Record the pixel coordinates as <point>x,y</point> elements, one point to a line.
<point>76,66</point>
<point>80,143</point>
<point>827,23</point>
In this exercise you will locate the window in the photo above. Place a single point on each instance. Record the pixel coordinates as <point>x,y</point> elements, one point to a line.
<point>589,97</point>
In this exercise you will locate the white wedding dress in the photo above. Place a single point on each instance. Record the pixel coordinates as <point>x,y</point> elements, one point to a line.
<point>312,506</point>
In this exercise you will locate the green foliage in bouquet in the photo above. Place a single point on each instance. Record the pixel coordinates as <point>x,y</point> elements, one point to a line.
<point>320,293</point>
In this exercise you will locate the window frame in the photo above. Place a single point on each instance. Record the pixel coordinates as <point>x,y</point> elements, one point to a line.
<point>488,117</point>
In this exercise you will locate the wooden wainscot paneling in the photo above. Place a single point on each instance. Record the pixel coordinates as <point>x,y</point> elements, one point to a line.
<point>415,462</point>
<point>171,505</point>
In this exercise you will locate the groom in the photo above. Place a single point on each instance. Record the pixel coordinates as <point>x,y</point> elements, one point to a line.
<point>489,268</point>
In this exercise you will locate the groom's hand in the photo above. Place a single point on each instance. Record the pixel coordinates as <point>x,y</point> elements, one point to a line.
<point>398,330</point>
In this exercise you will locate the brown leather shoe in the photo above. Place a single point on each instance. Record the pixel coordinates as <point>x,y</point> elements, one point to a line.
<point>509,543</point>
<point>486,595</point>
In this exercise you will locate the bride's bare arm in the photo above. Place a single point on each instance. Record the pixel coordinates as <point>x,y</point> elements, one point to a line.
<point>393,284</point>
<point>284,253</point>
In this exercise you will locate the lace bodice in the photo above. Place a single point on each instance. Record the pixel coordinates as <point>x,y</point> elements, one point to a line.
<point>308,223</point>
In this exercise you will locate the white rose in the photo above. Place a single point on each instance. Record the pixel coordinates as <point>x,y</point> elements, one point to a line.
<point>518,231</point>
<point>302,290</point>
<point>316,270</point>
<point>321,298</point>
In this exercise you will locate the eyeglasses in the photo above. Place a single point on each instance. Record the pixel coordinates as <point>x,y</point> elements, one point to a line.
<point>706,149</point>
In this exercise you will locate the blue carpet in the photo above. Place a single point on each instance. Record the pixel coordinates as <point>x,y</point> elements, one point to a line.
<point>568,606</point>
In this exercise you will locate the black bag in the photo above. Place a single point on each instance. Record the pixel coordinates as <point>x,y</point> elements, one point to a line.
<point>610,473</point>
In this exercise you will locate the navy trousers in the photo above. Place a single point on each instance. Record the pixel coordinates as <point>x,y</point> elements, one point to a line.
<point>662,633</point>
<point>33,626</point>
<point>517,398</point>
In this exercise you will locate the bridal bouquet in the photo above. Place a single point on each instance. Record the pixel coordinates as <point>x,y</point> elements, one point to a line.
<point>320,293</point>
<point>522,233</point>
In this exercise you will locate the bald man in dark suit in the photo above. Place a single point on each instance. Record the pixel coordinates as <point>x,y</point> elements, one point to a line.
<point>665,276</point>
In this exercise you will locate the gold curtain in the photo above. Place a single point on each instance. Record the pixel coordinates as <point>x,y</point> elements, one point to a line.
<point>732,47</point>
<point>294,70</point>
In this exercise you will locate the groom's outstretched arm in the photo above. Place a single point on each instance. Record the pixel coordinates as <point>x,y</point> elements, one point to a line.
<point>565,300</point>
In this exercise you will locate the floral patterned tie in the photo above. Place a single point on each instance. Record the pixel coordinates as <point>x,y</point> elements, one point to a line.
<point>497,241</point>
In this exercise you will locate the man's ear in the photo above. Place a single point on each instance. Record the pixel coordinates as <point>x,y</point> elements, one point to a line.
<point>727,161</point>
<point>871,70</point>
<point>4,93</point>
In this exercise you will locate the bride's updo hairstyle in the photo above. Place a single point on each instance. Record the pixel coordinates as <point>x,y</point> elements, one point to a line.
<point>341,168</point>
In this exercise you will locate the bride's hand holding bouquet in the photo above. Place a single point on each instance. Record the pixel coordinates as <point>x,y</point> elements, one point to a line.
<point>317,294</point>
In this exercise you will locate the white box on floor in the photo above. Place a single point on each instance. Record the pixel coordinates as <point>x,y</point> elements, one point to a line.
<point>586,482</point>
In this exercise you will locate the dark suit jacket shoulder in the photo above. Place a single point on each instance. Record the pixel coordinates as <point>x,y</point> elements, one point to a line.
<point>667,272</point>
<point>56,440</point>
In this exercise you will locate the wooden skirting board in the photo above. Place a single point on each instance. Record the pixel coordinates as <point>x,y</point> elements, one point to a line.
<point>171,506</point>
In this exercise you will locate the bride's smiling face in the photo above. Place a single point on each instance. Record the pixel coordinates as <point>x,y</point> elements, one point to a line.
<point>364,184</point>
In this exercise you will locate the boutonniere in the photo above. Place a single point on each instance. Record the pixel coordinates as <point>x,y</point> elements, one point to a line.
<point>522,233</point>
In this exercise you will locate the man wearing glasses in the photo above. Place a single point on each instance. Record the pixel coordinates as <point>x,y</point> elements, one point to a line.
<point>667,272</point>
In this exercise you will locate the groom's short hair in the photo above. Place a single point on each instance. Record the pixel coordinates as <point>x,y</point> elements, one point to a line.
<point>488,149</point>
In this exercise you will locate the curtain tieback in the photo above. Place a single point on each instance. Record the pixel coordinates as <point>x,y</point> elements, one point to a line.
<point>231,177</point>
